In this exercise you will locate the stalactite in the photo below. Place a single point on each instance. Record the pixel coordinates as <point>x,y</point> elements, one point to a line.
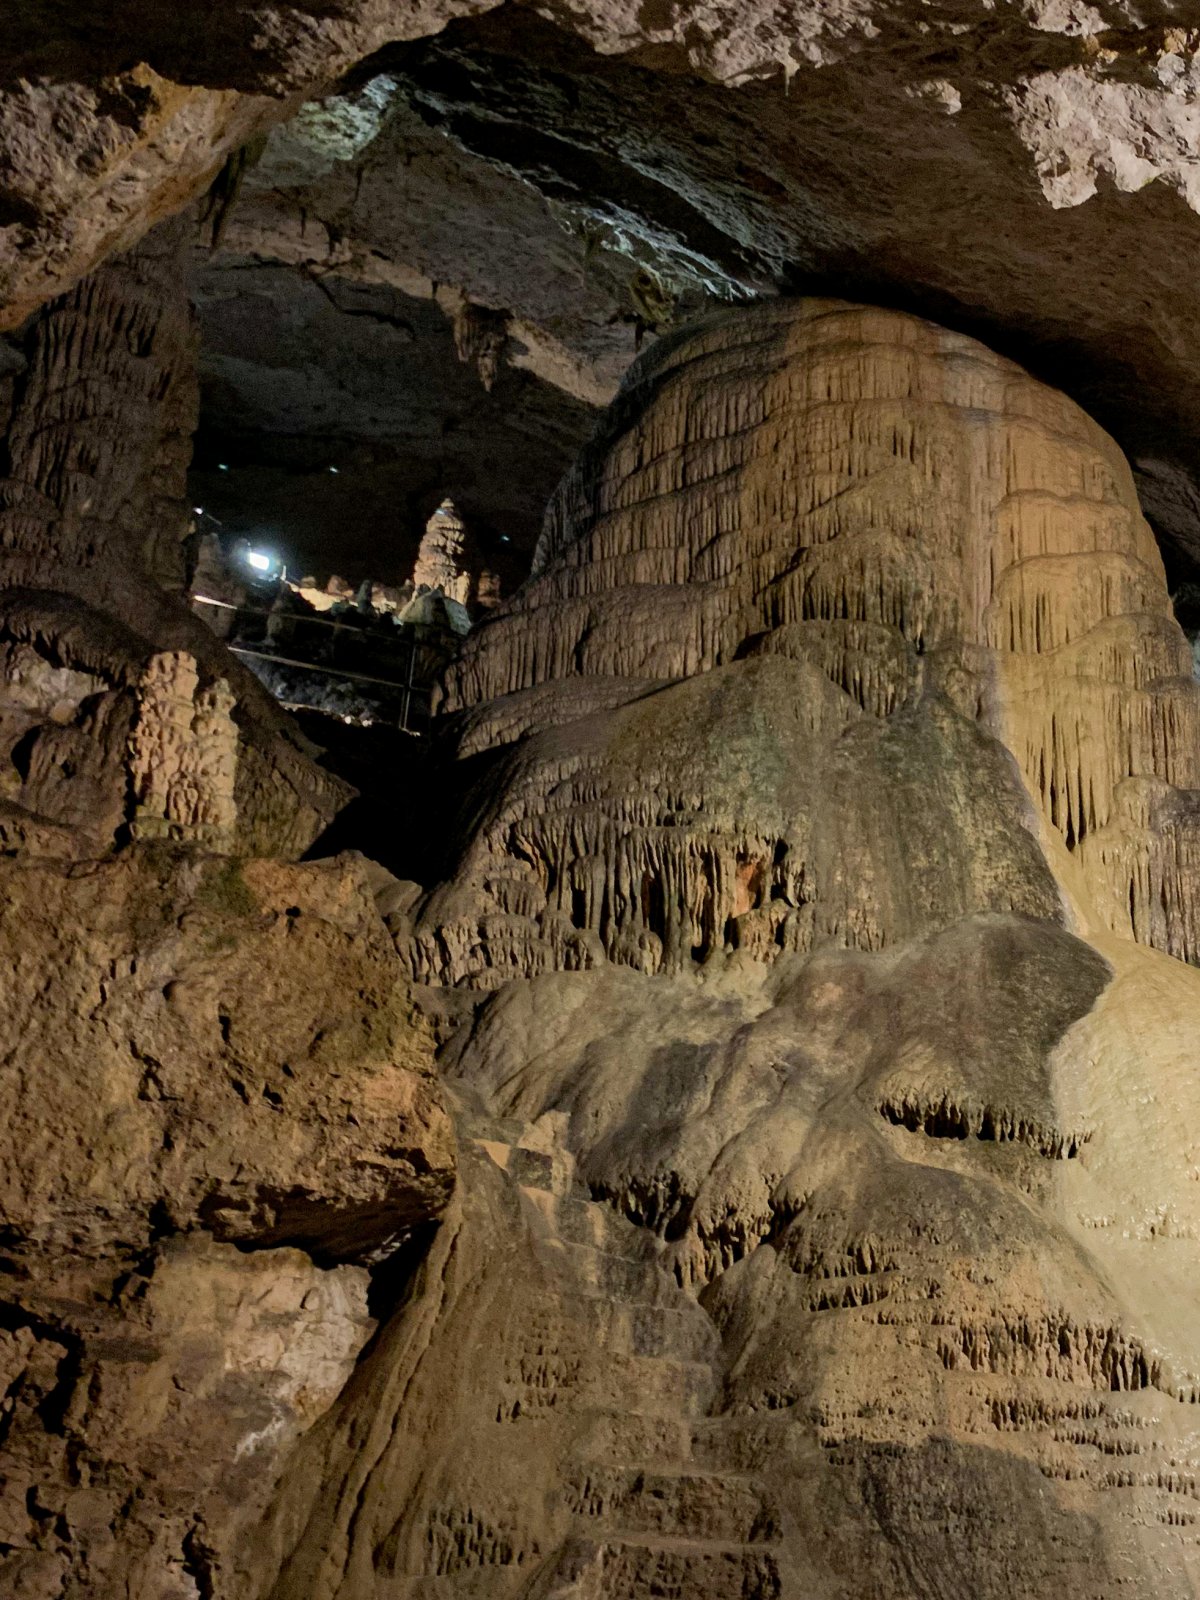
<point>870,496</point>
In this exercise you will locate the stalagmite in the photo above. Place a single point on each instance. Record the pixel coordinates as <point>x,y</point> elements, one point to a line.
<point>441,558</point>
<point>94,531</point>
<point>896,508</point>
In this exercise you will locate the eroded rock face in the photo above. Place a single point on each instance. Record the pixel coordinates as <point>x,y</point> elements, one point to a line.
<point>120,711</point>
<point>1025,174</point>
<point>830,1226</point>
<point>219,1111</point>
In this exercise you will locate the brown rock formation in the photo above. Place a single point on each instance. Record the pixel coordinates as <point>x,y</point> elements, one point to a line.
<point>813,973</point>
<point>441,562</point>
<point>838,1045</point>
<point>106,671</point>
<point>544,166</point>
<point>217,1111</point>
<point>845,529</point>
<point>112,123</point>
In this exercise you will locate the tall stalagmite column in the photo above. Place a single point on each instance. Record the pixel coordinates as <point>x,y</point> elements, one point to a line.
<point>100,439</point>
<point>94,556</point>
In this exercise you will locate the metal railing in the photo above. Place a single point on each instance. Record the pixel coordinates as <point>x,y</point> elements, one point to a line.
<point>411,693</point>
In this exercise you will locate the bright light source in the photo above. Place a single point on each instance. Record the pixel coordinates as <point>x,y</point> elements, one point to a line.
<point>221,467</point>
<point>199,510</point>
<point>333,469</point>
<point>503,538</point>
<point>258,561</point>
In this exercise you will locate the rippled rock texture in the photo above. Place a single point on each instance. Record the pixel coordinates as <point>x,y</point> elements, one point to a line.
<point>827,1224</point>
<point>813,559</point>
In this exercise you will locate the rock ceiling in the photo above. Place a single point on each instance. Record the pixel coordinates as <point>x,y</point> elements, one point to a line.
<point>1026,173</point>
<point>754,1155</point>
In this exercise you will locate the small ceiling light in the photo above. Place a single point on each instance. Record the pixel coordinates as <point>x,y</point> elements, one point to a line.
<point>504,538</point>
<point>221,467</point>
<point>259,561</point>
<point>333,469</point>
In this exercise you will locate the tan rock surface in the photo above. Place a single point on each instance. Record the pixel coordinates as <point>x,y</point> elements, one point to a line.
<point>837,1035</point>
<point>1023,173</point>
<point>218,1108</point>
<point>813,970</point>
<point>442,558</point>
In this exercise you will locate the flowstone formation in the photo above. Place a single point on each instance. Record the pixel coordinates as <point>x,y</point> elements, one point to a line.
<point>117,708</point>
<point>851,544</point>
<point>222,1130</point>
<point>827,1220</point>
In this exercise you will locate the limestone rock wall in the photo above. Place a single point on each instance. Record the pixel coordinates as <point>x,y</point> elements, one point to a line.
<point>936,1204</point>
<point>721,152</point>
<point>94,531</point>
<point>221,1116</point>
<point>219,1112</point>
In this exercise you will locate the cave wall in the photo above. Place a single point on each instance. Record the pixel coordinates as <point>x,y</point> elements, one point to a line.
<point>121,710</point>
<point>802,1201</point>
<point>221,1113</point>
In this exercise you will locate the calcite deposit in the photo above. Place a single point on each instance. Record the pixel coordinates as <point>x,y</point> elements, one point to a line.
<point>590,172</point>
<point>222,1134</point>
<point>825,1223</point>
<point>812,555</point>
<point>751,1155</point>
<point>442,558</point>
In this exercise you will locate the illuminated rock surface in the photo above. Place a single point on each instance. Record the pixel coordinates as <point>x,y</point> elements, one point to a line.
<point>804,1200</point>
<point>830,1226</point>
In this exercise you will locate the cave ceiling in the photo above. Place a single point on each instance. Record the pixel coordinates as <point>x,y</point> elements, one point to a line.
<point>715,1117</point>
<point>1027,173</point>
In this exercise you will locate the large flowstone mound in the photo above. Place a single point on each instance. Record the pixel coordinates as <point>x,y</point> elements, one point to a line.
<point>827,879</point>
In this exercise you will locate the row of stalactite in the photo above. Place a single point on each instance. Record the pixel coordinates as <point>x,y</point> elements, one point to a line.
<point>860,491</point>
